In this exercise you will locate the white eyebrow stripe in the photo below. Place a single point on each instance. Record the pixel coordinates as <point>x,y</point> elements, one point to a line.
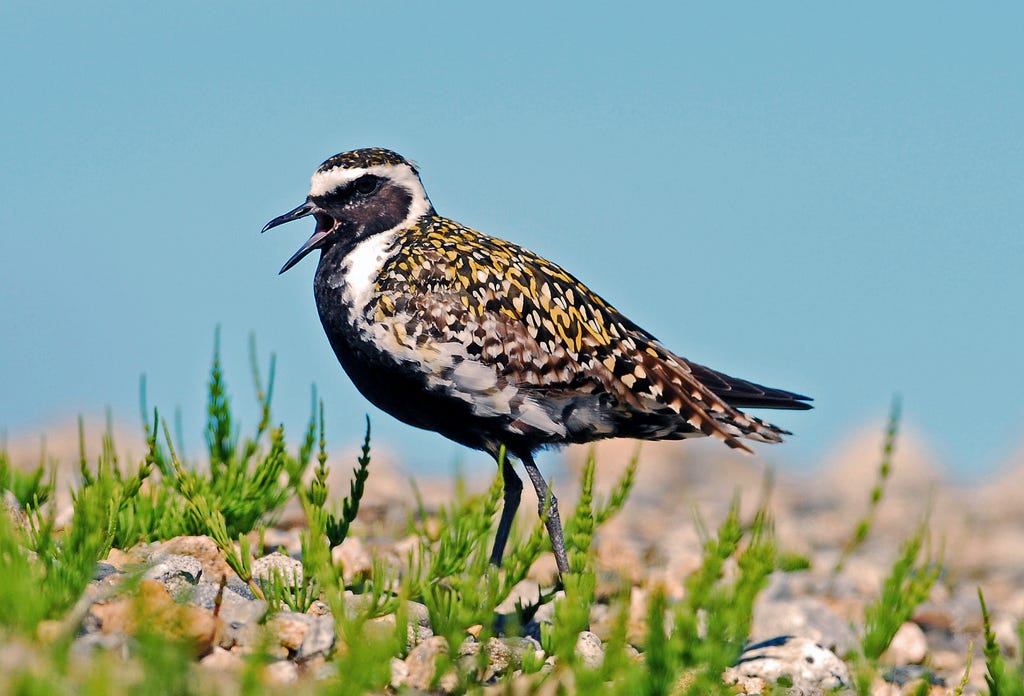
<point>331,179</point>
<point>401,175</point>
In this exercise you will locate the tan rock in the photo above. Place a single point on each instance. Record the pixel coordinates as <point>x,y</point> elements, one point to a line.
<point>908,647</point>
<point>155,610</point>
<point>289,629</point>
<point>422,662</point>
<point>380,627</point>
<point>280,673</point>
<point>119,559</point>
<point>319,608</point>
<point>354,559</point>
<point>202,548</point>
<point>221,660</point>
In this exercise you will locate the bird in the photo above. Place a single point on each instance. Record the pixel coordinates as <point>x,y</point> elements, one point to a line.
<point>491,345</point>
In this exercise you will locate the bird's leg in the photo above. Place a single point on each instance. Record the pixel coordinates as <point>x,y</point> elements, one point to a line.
<point>551,519</point>
<point>513,492</point>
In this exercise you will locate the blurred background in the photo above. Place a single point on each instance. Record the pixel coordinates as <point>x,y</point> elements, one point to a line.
<point>823,198</point>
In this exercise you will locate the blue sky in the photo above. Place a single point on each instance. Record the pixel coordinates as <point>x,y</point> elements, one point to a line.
<point>824,197</point>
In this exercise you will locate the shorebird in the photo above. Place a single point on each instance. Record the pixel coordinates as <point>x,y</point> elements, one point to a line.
<point>491,345</point>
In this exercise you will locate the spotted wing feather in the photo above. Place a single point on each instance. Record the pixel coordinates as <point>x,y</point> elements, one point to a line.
<point>558,356</point>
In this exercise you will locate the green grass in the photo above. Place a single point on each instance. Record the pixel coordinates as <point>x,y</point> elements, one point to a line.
<point>906,586</point>
<point>241,491</point>
<point>863,527</point>
<point>1003,678</point>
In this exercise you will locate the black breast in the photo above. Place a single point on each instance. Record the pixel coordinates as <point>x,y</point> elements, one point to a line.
<point>394,386</point>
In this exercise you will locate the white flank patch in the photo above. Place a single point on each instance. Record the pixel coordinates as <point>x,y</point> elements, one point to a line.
<point>536,416</point>
<point>362,265</point>
<point>475,377</point>
<point>398,174</point>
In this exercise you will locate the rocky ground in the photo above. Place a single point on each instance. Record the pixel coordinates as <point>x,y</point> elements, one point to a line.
<point>803,621</point>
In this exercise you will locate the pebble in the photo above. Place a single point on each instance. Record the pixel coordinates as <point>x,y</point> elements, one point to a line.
<point>399,673</point>
<point>103,571</point>
<point>808,617</point>
<point>501,656</point>
<point>319,639</point>
<point>236,584</point>
<point>504,655</point>
<point>240,617</point>
<point>419,619</point>
<point>202,548</point>
<point>418,615</point>
<point>318,668</point>
<point>281,673</point>
<point>906,674</point>
<point>177,572</point>
<point>421,663</point>
<point>318,608</point>
<point>157,609</point>
<point>290,628</point>
<point>353,558</point>
<point>204,594</point>
<point>908,647</point>
<point>303,635</point>
<point>807,665</point>
<point>288,569</point>
<point>590,650</point>
<point>221,660</point>
<point>84,646</point>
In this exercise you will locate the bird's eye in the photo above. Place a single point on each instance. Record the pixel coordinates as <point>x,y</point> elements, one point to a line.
<point>366,185</point>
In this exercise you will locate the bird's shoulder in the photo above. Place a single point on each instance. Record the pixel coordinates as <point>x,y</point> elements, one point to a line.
<point>473,279</point>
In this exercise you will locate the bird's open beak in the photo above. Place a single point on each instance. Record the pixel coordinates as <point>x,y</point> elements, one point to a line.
<point>312,243</point>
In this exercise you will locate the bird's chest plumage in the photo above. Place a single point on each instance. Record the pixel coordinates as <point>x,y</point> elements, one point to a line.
<point>396,358</point>
<point>397,311</point>
<point>345,287</point>
<point>394,300</point>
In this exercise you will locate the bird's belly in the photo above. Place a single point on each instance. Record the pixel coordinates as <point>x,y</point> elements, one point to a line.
<point>395,379</point>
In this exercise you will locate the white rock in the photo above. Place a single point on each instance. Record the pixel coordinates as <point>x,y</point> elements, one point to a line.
<point>421,663</point>
<point>177,572</point>
<point>289,569</point>
<point>590,650</point>
<point>281,672</point>
<point>221,660</point>
<point>319,639</point>
<point>353,558</point>
<point>808,617</point>
<point>808,665</point>
<point>399,673</point>
<point>908,647</point>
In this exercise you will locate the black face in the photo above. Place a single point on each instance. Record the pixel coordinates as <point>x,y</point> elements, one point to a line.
<point>361,208</point>
<point>364,207</point>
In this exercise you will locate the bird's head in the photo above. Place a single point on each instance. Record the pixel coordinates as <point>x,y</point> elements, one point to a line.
<point>357,194</point>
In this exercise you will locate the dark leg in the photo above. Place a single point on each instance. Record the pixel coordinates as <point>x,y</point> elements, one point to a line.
<point>513,492</point>
<point>553,521</point>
